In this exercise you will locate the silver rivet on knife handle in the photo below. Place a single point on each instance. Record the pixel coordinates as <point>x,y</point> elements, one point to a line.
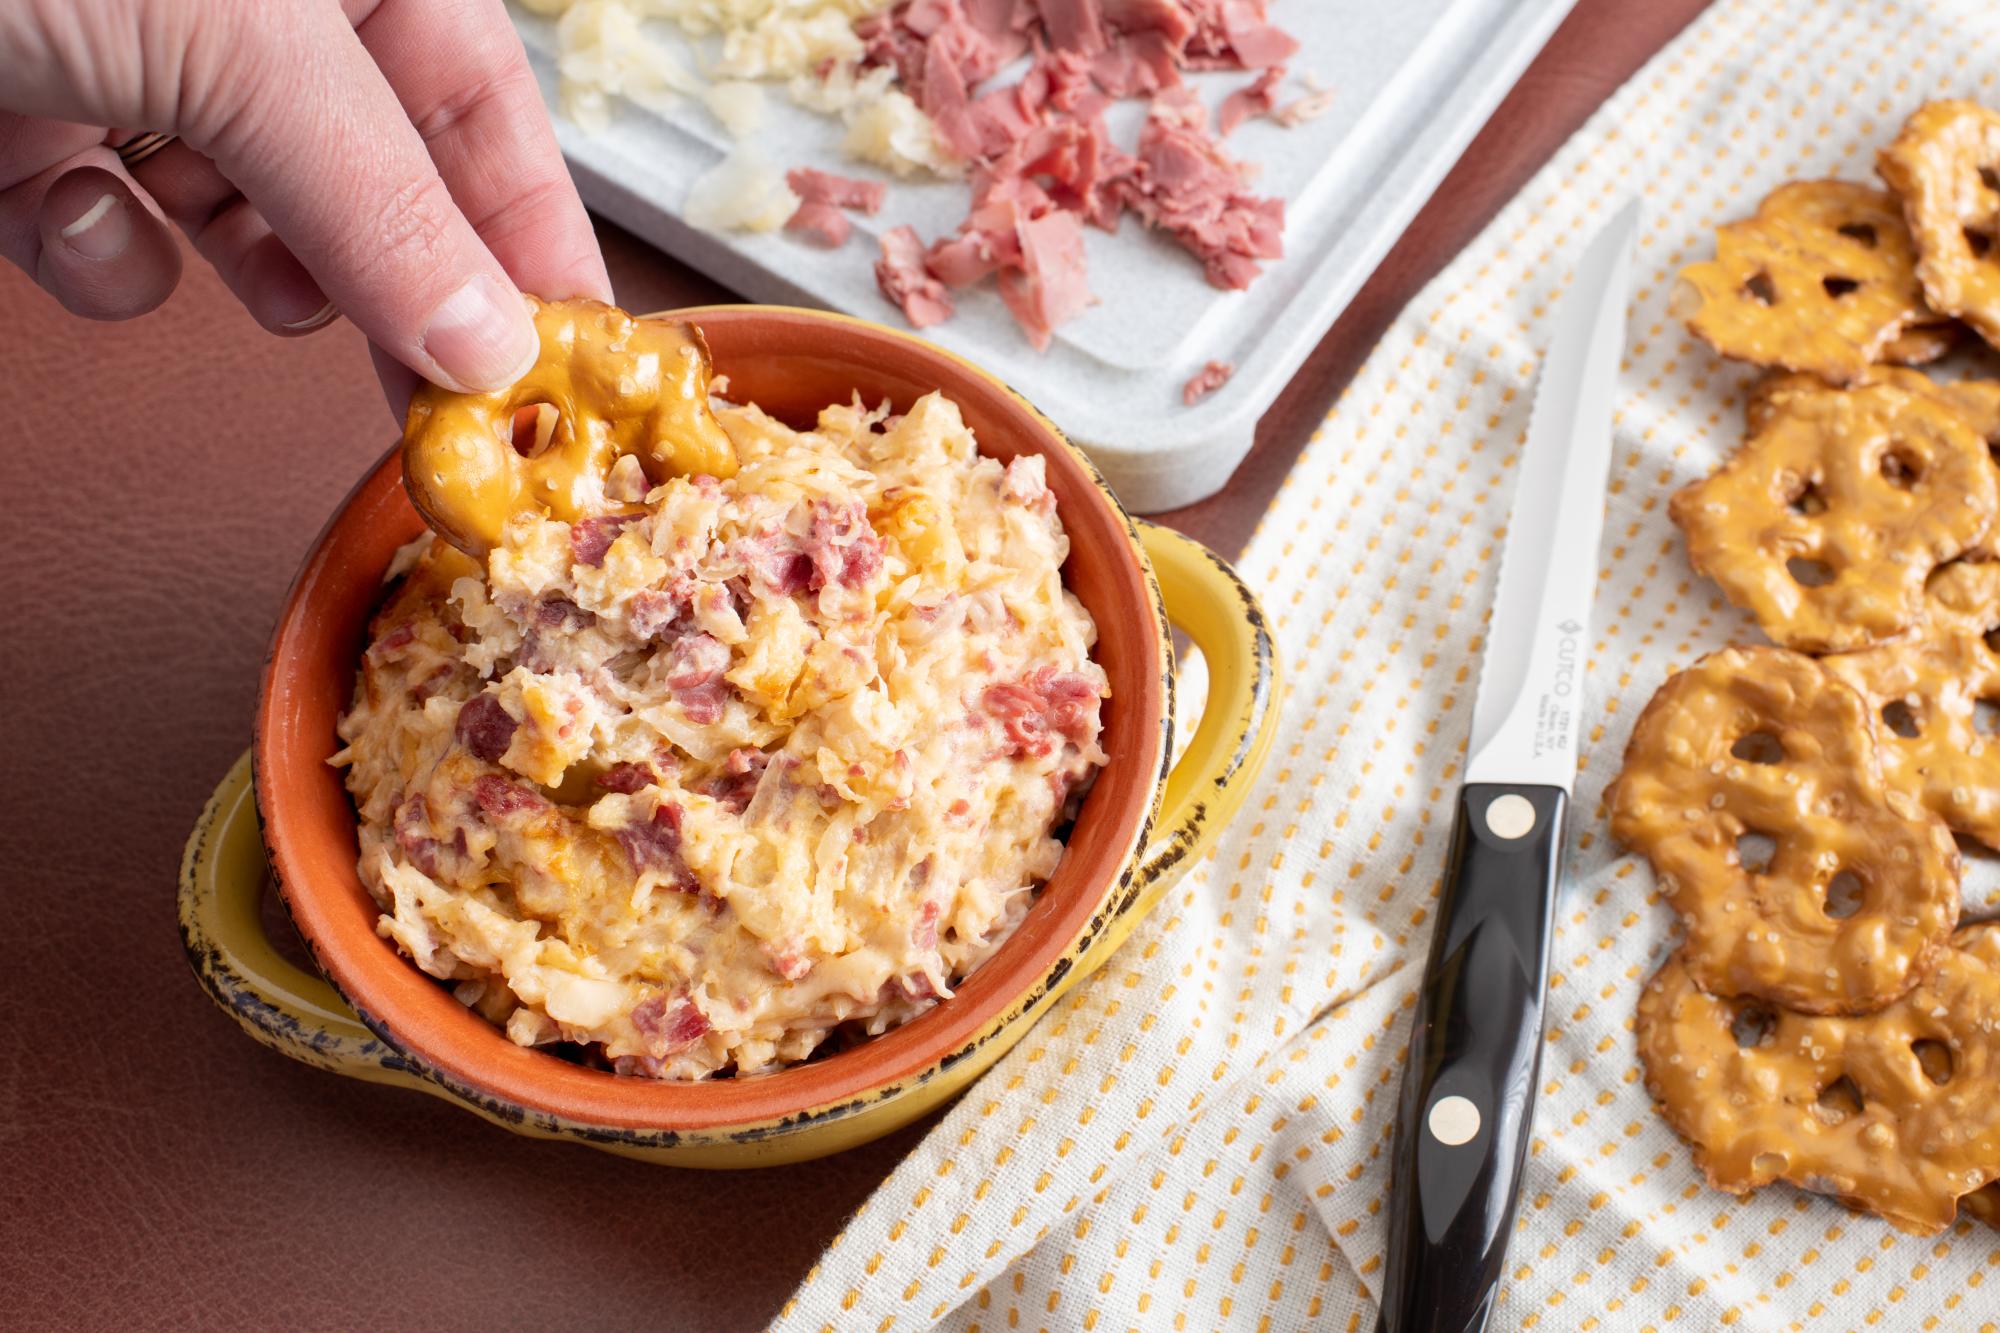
<point>1453,1121</point>
<point>1510,817</point>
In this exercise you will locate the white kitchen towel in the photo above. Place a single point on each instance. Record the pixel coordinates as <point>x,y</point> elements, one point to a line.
<point>1197,1138</point>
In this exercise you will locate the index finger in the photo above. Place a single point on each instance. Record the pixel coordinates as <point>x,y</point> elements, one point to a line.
<point>459,70</point>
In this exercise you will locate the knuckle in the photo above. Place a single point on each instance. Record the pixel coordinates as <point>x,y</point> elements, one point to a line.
<point>465,103</point>
<point>488,72</point>
<point>229,61</point>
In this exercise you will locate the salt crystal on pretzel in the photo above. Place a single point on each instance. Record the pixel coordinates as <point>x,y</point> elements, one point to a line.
<point>1826,523</point>
<point>618,387</point>
<point>1822,278</point>
<point>1928,690</point>
<point>1896,1112</point>
<point>1753,785</point>
<point>1945,166</point>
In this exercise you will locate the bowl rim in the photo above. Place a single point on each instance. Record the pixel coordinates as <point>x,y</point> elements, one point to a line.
<point>417,1016</point>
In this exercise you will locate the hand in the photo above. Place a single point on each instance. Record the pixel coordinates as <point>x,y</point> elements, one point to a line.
<point>386,160</point>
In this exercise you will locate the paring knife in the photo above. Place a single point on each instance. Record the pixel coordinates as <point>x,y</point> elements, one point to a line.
<point>1475,1042</point>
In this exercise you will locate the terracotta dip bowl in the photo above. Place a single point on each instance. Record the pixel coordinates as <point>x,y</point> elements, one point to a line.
<point>375,1016</point>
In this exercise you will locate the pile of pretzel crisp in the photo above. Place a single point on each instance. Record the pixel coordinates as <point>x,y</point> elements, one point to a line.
<point>1827,1020</point>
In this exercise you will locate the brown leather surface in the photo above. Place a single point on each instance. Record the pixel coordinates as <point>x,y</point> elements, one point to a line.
<point>160,481</point>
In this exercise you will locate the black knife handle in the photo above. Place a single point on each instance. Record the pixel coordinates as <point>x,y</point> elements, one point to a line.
<point>1475,1046</point>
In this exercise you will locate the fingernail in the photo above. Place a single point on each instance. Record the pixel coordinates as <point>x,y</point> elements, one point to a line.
<point>324,315</point>
<point>480,337</point>
<point>102,232</point>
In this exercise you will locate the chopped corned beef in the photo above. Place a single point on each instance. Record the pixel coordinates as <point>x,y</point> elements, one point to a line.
<point>775,560</point>
<point>413,834</point>
<point>627,777</point>
<point>1138,65</point>
<point>1017,230</point>
<point>694,674</point>
<point>788,963</point>
<point>1234,34</point>
<point>1257,98</point>
<point>561,613</point>
<point>1062,80</point>
<point>654,614</point>
<point>1168,18</point>
<point>655,844</point>
<point>821,224</point>
<point>1004,23</point>
<point>669,1023</point>
<point>842,546</point>
<point>737,782</point>
<point>1049,287</point>
<point>823,187</point>
<point>1039,155</point>
<point>1187,187</point>
<point>485,727</point>
<point>497,798</point>
<point>1000,119</point>
<point>964,260</point>
<point>900,273</point>
<point>1043,708</point>
<point>1075,163</point>
<point>1023,483</point>
<point>1206,381</point>
<point>946,98</point>
<point>390,646</point>
<point>437,681</point>
<point>1074,25</point>
<point>924,933</point>
<point>591,538</point>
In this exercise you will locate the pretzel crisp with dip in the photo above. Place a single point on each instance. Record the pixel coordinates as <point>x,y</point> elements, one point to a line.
<point>1822,278</point>
<point>1945,165</point>
<point>610,388</point>
<point>1928,688</point>
<point>1752,784</point>
<point>1896,1112</point>
<point>1826,523</point>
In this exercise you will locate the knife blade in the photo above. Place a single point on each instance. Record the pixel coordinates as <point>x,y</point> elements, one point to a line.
<point>1467,1101</point>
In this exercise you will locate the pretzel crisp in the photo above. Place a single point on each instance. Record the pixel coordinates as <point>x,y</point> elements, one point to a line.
<point>618,386</point>
<point>1822,278</point>
<point>1946,167</point>
<point>1896,1112</point>
<point>1753,786</point>
<point>1976,401</point>
<point>1922,343</point>
<point>1983,943</point>
<point>1928,690</point>
<point>1825,524</point>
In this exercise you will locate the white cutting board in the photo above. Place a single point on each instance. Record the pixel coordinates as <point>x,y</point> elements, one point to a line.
<point>1415,79</point>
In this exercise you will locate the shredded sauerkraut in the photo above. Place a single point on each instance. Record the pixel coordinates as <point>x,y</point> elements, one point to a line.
<point>604,51</point>
<point>701,783</point>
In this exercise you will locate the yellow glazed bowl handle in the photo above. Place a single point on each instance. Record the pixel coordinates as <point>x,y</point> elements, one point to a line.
<point>1205,598</point>
<point>279,1003</point>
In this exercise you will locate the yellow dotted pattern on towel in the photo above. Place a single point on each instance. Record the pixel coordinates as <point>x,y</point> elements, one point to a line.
<point>1197,1138</point>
